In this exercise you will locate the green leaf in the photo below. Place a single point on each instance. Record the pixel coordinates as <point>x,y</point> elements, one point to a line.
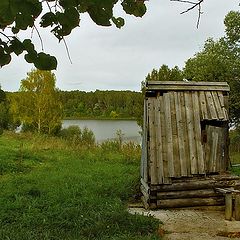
<point>31,57</point>
<point>136,8</point>
<point>101,16</point>
<point>15,30</point>
<point>28,46</point>
<point>45,62</point>
<point>119,22</point>
<point>23,21</point>
<point>4,58</point>
<point>48,19</point>
<point>16,46</point>
<point>68,3</point>
<point>7,13</point>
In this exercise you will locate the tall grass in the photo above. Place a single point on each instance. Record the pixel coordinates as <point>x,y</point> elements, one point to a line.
<point>51,190</point>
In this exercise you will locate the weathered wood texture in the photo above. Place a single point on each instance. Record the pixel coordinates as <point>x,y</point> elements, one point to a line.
<point>187,86</point>
<point>189,192</point>
<point>185,139</point>
<point>175,134</point>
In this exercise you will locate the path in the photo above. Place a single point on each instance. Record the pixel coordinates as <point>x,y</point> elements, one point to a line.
<point>193,224</point>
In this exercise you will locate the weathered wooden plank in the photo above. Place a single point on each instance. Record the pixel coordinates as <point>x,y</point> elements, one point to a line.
<point>190,202</point>
<point>166,177</point>
<point>176,160</point>
<point>152,139</point>
<point>180,133</point>
<point>211,106</point>
<point>203,106</point>
<point>188,83</point>
<point>187,159</point>
<point>144,170</point>
<point>237,207</point>
<point>214,147</point>
<point>169,138</point>
<point>191,135</point>
<point>226,104</point>
<point>228,206</point>
<point>159,144</point>
<point>197,133</point>
<point>201,184</point>
<point>198,193</point>
<point>221,99</point>
<point>207,150</point>
<point>187,86</point>
<point>219,109</point>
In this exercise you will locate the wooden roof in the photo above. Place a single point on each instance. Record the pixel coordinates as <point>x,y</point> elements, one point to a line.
<point>187,86</point>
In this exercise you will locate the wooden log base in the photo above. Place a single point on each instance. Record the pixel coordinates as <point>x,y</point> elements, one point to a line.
<point>190,202</point>
<point>192,192</point>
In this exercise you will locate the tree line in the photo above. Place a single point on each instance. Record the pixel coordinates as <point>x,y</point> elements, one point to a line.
<point>101,104</point>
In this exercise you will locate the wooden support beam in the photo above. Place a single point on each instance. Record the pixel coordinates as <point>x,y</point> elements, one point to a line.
<point>237,207</point>
<point>228,206</point>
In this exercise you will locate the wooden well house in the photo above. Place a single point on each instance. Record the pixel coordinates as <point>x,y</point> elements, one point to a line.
<point>185,144</point>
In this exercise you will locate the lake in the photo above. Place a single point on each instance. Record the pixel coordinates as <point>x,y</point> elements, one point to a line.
<point>106,129</point>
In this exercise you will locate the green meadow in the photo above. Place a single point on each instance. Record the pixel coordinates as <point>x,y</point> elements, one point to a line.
<point>51,188</point>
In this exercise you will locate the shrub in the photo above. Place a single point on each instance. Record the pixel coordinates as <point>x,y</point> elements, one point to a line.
<point>76,136</point>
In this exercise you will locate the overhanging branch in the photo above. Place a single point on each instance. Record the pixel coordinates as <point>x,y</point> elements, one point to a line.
<point>193,5</point>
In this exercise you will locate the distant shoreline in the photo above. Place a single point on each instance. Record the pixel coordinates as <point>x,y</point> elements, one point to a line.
<point>99,118</point>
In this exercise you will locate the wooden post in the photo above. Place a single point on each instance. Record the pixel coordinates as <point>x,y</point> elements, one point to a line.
<point>237,207</point>
<point>228,206</point>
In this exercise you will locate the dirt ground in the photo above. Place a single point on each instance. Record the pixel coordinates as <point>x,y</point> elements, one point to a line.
<point>193,224</point>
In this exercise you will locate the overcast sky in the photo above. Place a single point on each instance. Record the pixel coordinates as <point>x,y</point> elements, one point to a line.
<point>108,58</point>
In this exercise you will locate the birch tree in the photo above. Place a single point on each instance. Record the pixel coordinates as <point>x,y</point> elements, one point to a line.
<point>37,104</point>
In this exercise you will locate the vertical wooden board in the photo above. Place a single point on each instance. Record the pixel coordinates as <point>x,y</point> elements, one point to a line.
<point>221,101</point>
<point>197,133</point>
<point>159,142</point>
<point>144,143</point>
<point>166,177</point>
<point>180,134</point>
<point>203,106</point>
<point>144,159</point>
<point>152,139</point>
<point>213,147</point>
<point>191,135</point>
<point>226,143</point>
<point>211,106</point>
<point>214,150</point>
<point>148,140</point>
<point>220,160</point>
<point>207,150</point>
<point>185,142</point>
<point>226,104</point>
<point>169,138</point>
<point>176,160</point>
<point>220,112</point>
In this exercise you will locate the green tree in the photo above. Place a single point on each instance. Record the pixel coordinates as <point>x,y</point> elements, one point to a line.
<point>61,16</point>
<point>219,60</point>
<point>5,117</point>
<point>37,104</point>
<point>165,74</point>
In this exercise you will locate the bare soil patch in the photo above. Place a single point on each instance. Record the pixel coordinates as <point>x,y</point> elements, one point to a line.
<point>193,224</point>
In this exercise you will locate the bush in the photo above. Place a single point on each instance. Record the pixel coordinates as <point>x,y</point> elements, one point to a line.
<point>76,136</point>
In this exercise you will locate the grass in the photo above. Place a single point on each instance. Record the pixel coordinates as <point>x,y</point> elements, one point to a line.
<point>50,190</point>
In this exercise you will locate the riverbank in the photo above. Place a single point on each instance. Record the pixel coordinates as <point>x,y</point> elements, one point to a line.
<point>52,189</point>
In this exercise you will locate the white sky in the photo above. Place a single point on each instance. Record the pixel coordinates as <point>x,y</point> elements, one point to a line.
<point>108,58</point>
